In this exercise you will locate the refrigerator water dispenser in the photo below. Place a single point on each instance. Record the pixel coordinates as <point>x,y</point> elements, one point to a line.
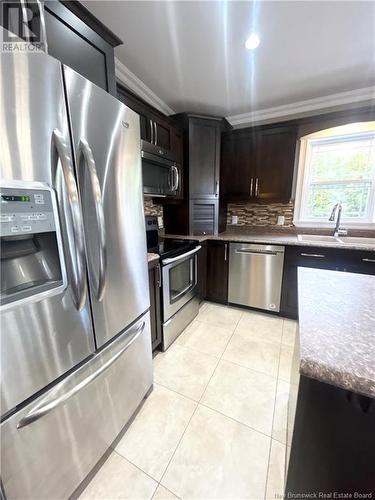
<point>32,260</point>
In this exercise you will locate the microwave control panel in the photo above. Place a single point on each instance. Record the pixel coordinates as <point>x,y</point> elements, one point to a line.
<point>26,211</point>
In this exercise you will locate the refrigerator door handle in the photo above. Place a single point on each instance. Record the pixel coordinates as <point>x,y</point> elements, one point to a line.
<point>85,150</point>
<point>80,285</point>
<point>24,17</point>
<point>48,404</point>
<point>43,30</point>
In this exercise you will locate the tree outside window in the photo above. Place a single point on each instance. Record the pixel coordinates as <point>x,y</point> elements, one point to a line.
<point>337,165</point>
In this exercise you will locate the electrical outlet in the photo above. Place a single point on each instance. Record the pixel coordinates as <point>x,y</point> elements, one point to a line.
<point>234,219</point>
<point>280,220</point>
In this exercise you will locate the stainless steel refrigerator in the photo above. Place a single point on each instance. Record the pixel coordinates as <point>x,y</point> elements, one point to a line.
<point>75,363</point>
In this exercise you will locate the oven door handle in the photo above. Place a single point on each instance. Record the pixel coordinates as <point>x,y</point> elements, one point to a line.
<point>181,257</point>
<point>184,291</point>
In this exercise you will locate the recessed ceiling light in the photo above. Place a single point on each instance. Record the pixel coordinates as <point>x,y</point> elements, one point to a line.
<point>252,42</point>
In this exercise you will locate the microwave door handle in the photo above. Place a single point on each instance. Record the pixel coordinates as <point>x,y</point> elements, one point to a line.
<point>99,284</point>
<point>151,132</point>
<point>165,262</point>
<point>176,178</point>
<point>48,404</point>
<point>169,178</point>
<point>155,133</point>
<point>79,286</point>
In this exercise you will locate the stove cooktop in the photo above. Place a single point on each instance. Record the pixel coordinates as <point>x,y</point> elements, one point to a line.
<point>172,247</point>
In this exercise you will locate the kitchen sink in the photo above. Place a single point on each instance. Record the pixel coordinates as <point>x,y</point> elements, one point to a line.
<point>318,237</point>
<point>357,240</point>
<point>343,240</point>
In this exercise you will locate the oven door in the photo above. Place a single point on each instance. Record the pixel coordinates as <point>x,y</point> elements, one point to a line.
<point>180,279</point>
<point>161,177</point>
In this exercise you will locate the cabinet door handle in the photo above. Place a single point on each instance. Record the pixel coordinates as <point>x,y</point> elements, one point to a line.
<point>256,187</point>
<point>226,252</point>
<point>368,260</point>
<point>216,188</point>
<point>251,187</point>
<point>317,255</point>
<point>151,132</point>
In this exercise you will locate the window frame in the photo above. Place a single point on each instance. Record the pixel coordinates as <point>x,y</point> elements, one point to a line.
<point>303,179</point>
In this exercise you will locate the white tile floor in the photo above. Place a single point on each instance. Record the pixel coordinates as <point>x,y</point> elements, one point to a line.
<point>214,426</point>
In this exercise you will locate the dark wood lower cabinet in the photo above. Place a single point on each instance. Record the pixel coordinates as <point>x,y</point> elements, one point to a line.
<point>217,271</point>
<point>155,309</point>
<point>333,445</point>
<point>336,259</point>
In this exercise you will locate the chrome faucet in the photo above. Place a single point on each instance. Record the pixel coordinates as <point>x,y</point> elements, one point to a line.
<point>339,231</point>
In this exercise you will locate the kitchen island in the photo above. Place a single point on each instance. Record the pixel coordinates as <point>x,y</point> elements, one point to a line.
<point>331,418</point>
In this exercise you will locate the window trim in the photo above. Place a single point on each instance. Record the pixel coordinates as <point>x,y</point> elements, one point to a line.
<point>303,166</point>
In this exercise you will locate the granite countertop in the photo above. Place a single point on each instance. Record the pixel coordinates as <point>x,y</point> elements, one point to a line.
<point>152,257</point>
<point>337,328</point>
<point>272,238</point>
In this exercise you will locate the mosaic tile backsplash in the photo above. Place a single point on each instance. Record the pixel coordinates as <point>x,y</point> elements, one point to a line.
<point>151,208</point>
<point>251,214</point>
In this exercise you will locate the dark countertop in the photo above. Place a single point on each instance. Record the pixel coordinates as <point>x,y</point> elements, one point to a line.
<point>337,328</point>
<point>274,238</point>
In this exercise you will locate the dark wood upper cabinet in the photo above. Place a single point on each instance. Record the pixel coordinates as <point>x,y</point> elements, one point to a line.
<point>274,164</point>
<point>237,167</point>
<point>162,132</point>
<point>140,107</point>
<point>79,40</point>
<point>202,211</point>
<point>156,128</point>
<point>217,271</point>
<point>257,164</point>
<point>204,157</point>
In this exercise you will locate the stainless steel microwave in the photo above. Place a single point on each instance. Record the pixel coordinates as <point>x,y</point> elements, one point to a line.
<point>161,176</point>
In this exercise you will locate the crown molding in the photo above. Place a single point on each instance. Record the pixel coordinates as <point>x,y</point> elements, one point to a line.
<point>288,111</point>
<point>139,88</point>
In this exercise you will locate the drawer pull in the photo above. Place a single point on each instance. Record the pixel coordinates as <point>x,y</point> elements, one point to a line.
<point>368,260</point>
<point>317,255</point>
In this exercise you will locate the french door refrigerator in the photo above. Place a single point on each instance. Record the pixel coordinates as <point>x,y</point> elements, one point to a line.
<point>74,365</point>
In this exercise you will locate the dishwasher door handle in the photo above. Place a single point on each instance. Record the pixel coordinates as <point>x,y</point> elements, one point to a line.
<point>258,252</point>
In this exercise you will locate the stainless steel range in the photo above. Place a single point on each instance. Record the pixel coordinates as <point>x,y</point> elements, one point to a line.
<point>75,329</point>
<point>179,261</point>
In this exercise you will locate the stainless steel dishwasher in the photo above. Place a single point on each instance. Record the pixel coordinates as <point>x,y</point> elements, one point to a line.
<point>255,275</point>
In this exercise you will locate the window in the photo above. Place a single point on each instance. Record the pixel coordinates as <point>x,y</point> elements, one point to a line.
<point>337,165</point>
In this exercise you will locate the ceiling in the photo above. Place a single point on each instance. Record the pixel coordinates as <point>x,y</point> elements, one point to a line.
<point>192,55</point>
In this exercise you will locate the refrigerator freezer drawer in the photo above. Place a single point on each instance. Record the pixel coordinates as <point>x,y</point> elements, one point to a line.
<point>50,446</point>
